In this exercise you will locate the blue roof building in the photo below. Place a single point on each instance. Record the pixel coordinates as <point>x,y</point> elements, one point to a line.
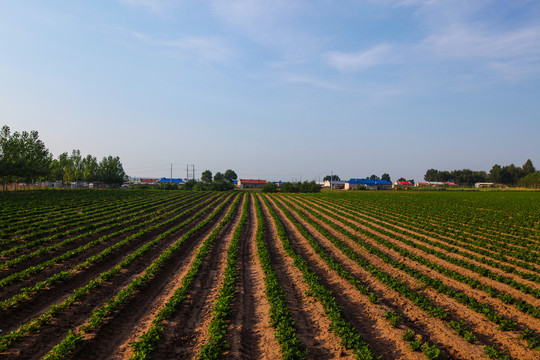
<point>169,180</point>
<point>368,183</point>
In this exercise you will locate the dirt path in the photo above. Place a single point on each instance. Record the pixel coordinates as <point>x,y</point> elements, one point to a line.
<point>250,335</point>
<point>312,325</point>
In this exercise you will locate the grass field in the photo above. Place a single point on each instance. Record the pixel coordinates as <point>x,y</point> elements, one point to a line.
<point>244,275</point>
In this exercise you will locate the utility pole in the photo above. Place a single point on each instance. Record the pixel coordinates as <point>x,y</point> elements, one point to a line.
<point>193,168</point>
<point>171,173</point>
<point>331,178</point>
<point>187,172</point>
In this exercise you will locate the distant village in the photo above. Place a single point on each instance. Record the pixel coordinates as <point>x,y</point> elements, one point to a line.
<point>352,184</point>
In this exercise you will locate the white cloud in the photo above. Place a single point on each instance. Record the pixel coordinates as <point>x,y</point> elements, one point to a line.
<point>352,62</point>
<point>512,54</point>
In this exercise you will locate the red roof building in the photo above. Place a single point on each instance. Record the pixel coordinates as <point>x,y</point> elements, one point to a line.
<point>251,183</point>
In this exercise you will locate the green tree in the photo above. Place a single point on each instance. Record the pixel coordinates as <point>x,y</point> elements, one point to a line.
<point>289,187</point>
<point>374,177</point>
<point>331,177</point>
<point>219,177</point>
<point>528,167</point>
<point>531,181</point>
<point>23,156</point>
<point>495,174</point>
<point>270,187</point>
<point>90,168</point>
<point>111,172</point>
<point>310,187</point>
<point>206,176</point>
<point>77,165</point>
<point>431,175</point>
<point>386,177</point>
<point>230,175</point>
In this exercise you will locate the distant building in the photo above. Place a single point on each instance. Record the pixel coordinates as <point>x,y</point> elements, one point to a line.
<point>336,184</point>
<point>436,183</point>
<point>369,184</point>
<point>170,181</point>
<point>148,181</point>
<point>250,183</point>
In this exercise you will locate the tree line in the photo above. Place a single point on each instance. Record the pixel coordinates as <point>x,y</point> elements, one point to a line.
<point>511,175</point>
<point>24,158</point>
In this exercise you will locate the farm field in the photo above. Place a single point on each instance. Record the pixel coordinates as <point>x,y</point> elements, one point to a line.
<point>247,275</point>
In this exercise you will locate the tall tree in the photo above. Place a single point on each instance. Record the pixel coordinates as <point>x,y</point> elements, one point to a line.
<point>374,177</point>
<point>219,177</point>
<point>386,177</point>
<point>528,167</point>
<point>230,175</point>
<point>111,172</point>
<point>206,176</point>
<point>23,156</point>
<point>331,177</point>
<point>90,168</point>
<point>76,164</point>
<point>495,174</point>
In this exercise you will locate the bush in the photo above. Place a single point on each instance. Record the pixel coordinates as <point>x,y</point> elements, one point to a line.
<point>269,188</point>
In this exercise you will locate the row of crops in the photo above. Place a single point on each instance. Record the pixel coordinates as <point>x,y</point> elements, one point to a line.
<point>142,275</point>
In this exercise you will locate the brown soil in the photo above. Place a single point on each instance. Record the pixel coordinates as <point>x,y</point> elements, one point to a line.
<point>113,339</point>
<point>312,325</point>
<point>185,333</point>
<point>250,335</point>
<point>478,294</point>
<point>487,332</point>
<point>381,224</point>
<point>55,293</point>
<point>37,345</point>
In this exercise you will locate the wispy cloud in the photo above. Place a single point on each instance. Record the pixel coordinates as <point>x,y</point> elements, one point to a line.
<point>202,49</point>
<point>352,62</point>
<point>303,80</point>
<point>206,49</point>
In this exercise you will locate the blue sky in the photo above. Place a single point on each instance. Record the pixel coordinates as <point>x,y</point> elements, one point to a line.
<point>277,89</point>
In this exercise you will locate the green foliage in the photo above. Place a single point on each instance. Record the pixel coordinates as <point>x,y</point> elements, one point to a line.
<point>409,335</point>
<point>111,172</point>
<point>219,177</point>
<point>393,317</point>
<point>305,187</point>
<point>229,175</point>
<point>206,176</point>
<point>23,157</point>
<point>331,177</point>
<point>531,181</point>
<point>270,187</point>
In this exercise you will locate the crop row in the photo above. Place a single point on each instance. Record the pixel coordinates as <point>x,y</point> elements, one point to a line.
<point>477,306</point>
<point>28,292</point>
<point>78,295</point>
<point>350,337</point>
<point>74,339</point>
